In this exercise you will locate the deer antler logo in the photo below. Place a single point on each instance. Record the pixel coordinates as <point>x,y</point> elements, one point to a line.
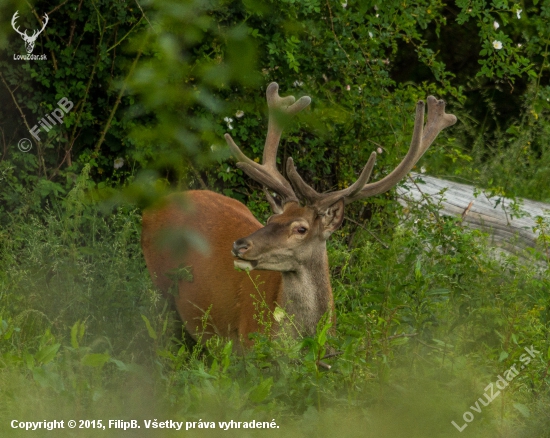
<point>29,40</point>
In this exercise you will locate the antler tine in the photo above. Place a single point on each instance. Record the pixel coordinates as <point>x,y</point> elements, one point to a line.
<point>35,32</point>
<point>46,19</point>
<point>304,191</point>
<point>321,201</point>
<point>438,120</point>
<point>421,141</point>
<point>279,107</point>
<point>13,20</point>
<point>267,173</point>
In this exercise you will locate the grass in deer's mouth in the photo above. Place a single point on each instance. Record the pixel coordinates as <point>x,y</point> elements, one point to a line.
<point>246,265</point>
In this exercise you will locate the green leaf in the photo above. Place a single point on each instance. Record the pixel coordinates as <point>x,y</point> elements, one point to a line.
<point>523,410</point>
<point>95,360</point>
<point>47,378</point>
<point>503,355</point>
<point>47,354</point>
<point>260,392</point>
<point>74,331</point>
<point>77,333</point>
<point>126,367</point>
<point>150,330</point>
<point>322,336</point>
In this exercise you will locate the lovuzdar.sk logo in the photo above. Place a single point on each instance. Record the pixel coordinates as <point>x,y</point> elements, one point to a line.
<point>29,39</point>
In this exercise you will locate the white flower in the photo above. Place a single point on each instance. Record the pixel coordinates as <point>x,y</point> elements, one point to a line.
<point>518,13</point>
<point>379,150</point>
<point>228,120</point>
<point>496,25</point>
<point>519,44</point>
<point>497,44</point>
<point>118,163</point>
<point>298,83</point>
<point>239,114</point>
<point>348,87</point>
<point>228,170</point>
<point>370,34</point>
<point>345,5</point>
<point>422,169</point>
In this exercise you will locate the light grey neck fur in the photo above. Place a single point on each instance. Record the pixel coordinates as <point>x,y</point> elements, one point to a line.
<point>307,293</point>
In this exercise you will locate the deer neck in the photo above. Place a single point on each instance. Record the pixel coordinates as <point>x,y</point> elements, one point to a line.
<point>306,293</point>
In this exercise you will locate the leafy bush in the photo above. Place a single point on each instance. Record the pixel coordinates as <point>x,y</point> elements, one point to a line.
<point>152,84</point>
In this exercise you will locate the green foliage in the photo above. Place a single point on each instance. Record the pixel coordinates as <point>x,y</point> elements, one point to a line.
<point>422,302</point>
<point>422,310</point>
<point>153,84</point>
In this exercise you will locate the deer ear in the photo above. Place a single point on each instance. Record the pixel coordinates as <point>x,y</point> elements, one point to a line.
<point>332,218</point>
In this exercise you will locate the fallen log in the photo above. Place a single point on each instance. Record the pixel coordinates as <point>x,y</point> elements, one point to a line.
<point>511,224</point>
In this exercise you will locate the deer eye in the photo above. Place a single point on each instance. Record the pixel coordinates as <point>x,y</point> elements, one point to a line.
<point>301,230</point>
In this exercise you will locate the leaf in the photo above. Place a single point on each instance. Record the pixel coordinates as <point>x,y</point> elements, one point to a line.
<point>150,330</point>
<point>513,129</point>
<point>74,340</point>
<point>322,336</point>
<point>442,343</point>
<point>47,378</point>
<point>503,355</point>
<point>260,392</point>
<point>47,354</point>
<point>278,314</point>
<point>399,341</point>
<point>523,410</point>
<point>119,364</point>
<point>131,367</point>
<point>77,333</point>
<point>95,359</point>
<point>441,291</point>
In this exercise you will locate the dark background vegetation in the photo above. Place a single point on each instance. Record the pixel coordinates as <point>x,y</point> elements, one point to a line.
<point>427,317</point>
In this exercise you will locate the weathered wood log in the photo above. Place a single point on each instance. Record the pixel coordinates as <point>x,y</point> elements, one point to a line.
<point>495,215</point>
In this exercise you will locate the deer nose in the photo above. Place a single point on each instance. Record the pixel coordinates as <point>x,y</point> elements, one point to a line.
<point>240,247</point>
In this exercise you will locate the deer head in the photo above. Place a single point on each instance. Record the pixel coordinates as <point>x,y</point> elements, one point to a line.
<point>29,40</point>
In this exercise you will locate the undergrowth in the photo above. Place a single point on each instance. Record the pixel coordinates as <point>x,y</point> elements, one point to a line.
<point>427,318</point>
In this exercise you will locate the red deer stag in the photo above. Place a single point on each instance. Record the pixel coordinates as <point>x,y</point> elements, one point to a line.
<point>290,251</point>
